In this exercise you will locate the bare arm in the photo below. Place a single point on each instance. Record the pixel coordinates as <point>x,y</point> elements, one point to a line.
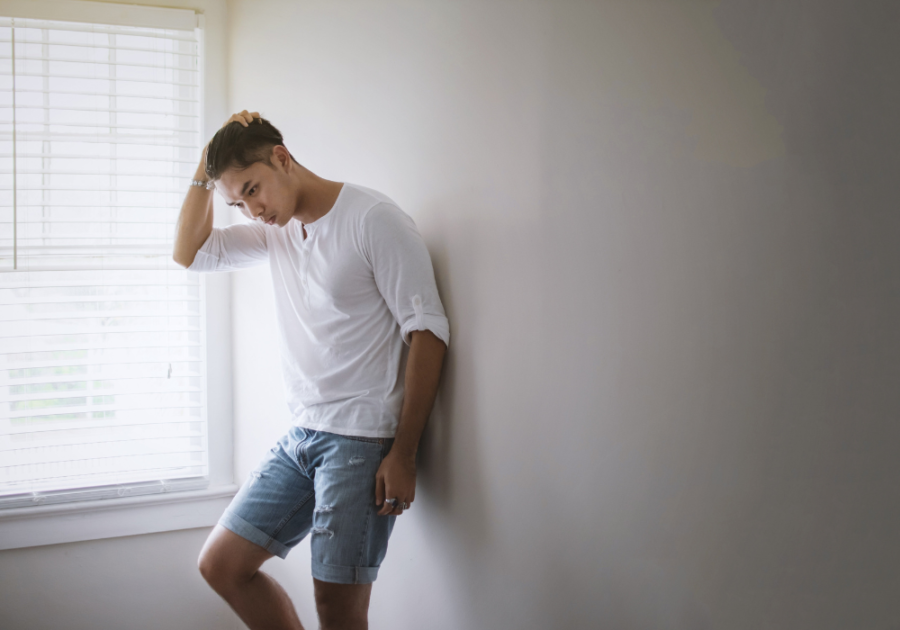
<point>195,221</point>
<point>396,478</point>
<point>423,371</point>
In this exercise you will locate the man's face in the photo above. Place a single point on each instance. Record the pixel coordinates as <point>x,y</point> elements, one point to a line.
<point>261,192</point>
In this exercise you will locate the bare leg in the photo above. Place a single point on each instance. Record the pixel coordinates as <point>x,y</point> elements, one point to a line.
<point>230,564</point>
<point>342,606</point>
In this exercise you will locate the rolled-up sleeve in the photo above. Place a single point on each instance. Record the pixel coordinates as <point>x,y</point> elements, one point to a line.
<point>233,247</point>
<point>403,271</point>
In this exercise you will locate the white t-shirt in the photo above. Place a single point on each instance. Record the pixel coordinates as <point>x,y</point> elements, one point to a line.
<point>346,299</point>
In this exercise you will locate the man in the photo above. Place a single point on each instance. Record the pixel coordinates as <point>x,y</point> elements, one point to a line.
<point>353,284</point>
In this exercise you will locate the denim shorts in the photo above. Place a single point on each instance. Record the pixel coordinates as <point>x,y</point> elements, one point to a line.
<point>319,482</point>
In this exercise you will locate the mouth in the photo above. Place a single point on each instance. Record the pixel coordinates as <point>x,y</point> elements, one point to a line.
<point>270,220</point>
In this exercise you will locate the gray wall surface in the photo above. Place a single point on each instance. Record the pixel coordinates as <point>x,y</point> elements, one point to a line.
<point>665,234</point>
<point>131,583</point>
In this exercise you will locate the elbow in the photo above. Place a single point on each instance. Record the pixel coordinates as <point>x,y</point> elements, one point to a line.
<point>186,249</point>
<point>183,260</point>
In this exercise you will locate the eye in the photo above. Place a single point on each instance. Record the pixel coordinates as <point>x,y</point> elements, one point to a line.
<point>251,191</point>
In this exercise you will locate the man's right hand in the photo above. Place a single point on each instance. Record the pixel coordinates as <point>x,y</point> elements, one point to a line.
<point>244,117</point>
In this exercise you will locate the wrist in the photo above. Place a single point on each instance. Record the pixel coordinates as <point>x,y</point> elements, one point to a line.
<point>403,453</point>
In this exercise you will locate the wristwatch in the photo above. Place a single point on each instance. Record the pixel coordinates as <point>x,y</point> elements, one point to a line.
<point>203,183</point>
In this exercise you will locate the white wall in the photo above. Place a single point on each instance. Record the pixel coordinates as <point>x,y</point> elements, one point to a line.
<point>665,235</point>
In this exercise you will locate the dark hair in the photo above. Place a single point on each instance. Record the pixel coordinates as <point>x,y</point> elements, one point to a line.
<point>237,146</point>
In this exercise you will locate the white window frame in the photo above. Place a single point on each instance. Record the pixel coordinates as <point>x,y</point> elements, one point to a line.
<point>128,516</point>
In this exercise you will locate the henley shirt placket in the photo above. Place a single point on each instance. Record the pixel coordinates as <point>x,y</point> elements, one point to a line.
<point>305,250</point>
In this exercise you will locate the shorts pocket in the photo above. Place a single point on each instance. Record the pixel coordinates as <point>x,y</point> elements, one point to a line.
<point>358,438</point>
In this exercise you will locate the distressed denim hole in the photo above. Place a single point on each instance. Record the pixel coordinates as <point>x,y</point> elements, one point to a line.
<point>323,530</point>
<point>357,461</point>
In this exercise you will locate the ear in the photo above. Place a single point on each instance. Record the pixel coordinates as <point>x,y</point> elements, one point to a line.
<point>281,156</point>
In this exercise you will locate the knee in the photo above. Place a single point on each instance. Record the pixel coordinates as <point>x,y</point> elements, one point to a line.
<point>218,572</point>
<point>210,567</point>
<point>227,561</point>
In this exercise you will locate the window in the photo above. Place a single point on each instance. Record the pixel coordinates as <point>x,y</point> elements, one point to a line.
<point>102,335</point>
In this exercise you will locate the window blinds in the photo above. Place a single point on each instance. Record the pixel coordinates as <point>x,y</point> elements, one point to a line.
<point>102,335</point>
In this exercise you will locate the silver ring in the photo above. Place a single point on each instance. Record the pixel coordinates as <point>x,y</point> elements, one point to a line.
<point>405,506</point>
<point>393,502</point>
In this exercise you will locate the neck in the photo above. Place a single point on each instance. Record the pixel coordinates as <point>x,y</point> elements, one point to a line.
<point>315,195</point>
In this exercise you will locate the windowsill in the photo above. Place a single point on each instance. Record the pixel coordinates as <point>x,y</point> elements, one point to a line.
<point>110,518</point>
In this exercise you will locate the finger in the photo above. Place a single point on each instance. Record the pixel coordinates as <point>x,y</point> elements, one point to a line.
<point>242,117</point>
<point>236,118</point>
<point>387,508</point>
<point>252,116</point>
<point>397,511</point>
<point>379,490</point>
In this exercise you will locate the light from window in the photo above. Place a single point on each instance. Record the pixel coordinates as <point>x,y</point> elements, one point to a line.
<point>102,335</point>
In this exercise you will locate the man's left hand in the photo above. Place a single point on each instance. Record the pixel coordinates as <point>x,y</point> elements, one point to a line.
<point>395,479</point>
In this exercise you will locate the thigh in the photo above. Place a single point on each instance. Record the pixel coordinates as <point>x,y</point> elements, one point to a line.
<point>349,539</point>
<point>274,506</point>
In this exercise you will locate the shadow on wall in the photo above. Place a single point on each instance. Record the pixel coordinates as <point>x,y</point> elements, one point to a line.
<point>449,469</point>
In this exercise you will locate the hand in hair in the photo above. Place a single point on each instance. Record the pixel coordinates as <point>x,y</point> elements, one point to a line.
<point>244,117</point>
